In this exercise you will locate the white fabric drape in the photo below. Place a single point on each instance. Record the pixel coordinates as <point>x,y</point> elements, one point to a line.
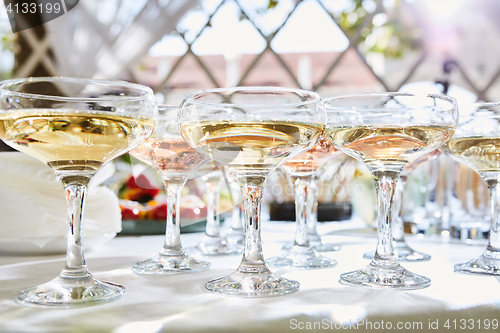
<point>102,38</point>
<point>178,303</point>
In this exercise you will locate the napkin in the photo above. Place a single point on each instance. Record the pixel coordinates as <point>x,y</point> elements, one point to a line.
<point>33,206</point>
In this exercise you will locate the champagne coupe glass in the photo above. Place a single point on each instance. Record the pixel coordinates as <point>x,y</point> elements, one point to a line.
<point>388,131</point>
<point>403,250</point>
<point>213,243</point>
<point>174,160</point>
<point>252,130</point>
<point>75,126</point>
<point>476,143</point>
<point>315,240</point>
<point>301,170</point>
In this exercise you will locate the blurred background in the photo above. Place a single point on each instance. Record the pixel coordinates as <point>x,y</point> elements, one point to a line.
<point>330,46</point>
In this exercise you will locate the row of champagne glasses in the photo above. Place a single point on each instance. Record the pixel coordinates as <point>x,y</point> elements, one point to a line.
<point>385,131</point>
<point>78,125</point>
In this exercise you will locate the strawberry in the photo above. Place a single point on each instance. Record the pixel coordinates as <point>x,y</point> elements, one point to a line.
<point>139,189</point>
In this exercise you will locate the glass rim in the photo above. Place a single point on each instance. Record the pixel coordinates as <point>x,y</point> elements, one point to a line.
<point>167,106</point>
<point>483,106</point>
<point>146,92</point>
<point>475,104</point>
<point>189,98</point>
<point>447,98</point>
<point>481,110</point>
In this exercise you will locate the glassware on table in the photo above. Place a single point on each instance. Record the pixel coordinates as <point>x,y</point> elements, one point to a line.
<point>213,243</point>
<point>402,249</point>
<point>301,170</point>
<point>424,207</point>
<point>466,210</point>
<point>252,130</point>
<point>312,220</point>
<point>174,160</point>
<point>315,240</point>
<point>388,131</point>
<point>75,126</point>
<point>476,143</point>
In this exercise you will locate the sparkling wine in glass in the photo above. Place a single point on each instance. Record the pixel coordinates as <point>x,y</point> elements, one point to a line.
<point>174,160</point>
<point>388,131</point>
<point>403,250</point>
<point>476,143</point>
<point>252,130</point>
<point>301,170</point>
<point>75,126</point>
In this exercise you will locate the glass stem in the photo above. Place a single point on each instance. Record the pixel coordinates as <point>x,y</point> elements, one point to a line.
<point>301,192</point>
<point>253,259</point>
<point>172,246</point>
<point>494,191</point>
<point>238,217</point>
<point>312,211</point>
<point>241,208</point>
<point>76,267</point>
<point>213,194</point>
<point>397,214</point>
<point>238,214</point>
<point>385,186</point>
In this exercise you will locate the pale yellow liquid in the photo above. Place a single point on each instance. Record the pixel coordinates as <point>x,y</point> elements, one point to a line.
<point>387,144</point>
<point>480,153</point>
<point>251,145</point>
<point>73,140</point>
<point>169,156</point>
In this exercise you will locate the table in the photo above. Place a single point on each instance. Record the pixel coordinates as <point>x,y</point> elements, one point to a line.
<point>178,303</point>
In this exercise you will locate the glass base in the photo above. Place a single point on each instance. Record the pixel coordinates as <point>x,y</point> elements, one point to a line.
<point>487,264</point>
<point>316,246</point>
<point>302,257</point>
<point>170,264</point>
<point>405,253</point>
<point>214,246</point>
<point>259,284</point>
<point>385,277</point>
<point>235,236</point>
<point>71,292</point>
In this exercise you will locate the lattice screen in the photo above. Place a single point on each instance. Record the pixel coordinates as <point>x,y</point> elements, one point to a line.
<point>471,46</point>
<point>473,68</point>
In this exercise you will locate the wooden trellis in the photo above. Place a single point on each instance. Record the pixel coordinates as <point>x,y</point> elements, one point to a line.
<point>34,56</point>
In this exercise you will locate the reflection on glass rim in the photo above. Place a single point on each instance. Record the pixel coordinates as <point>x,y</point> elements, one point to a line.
<point>143,92</point>
<point>190,98</point>
<point>329,100</point>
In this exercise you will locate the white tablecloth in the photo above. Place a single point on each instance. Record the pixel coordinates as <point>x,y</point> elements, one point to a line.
<point>178,303</point>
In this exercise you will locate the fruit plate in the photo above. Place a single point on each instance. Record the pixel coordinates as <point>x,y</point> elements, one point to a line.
<point>157,227</point>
